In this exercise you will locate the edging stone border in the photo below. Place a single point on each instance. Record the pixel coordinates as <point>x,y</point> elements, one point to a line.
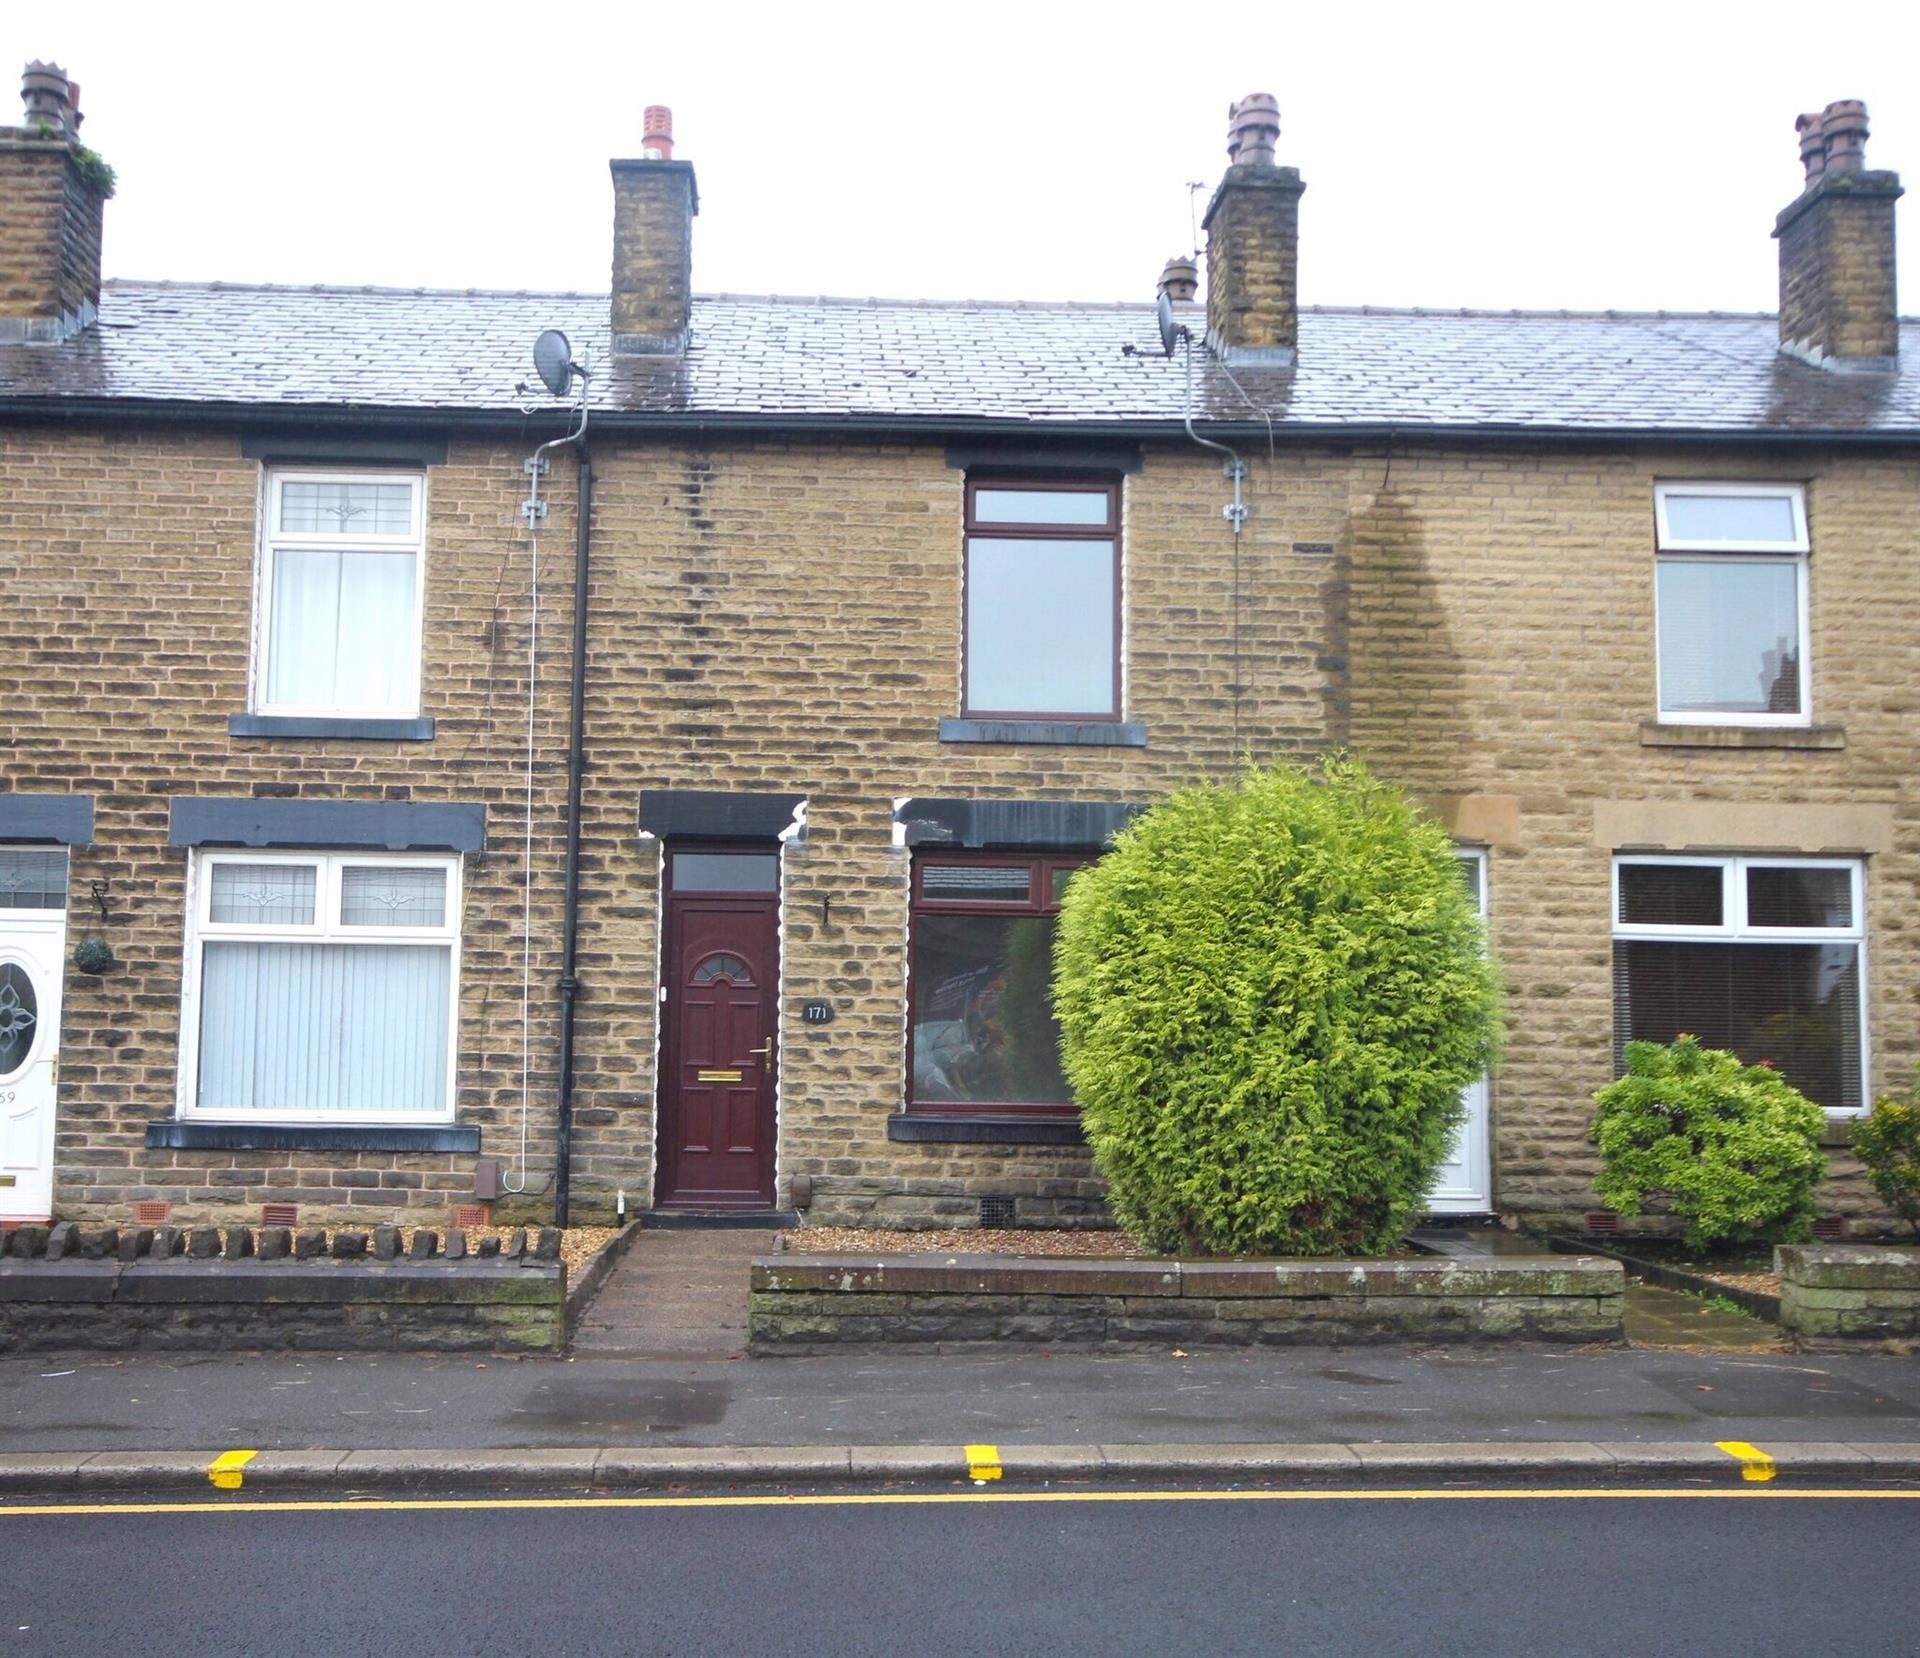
<point>598,1269</point>
<point>1849,1291</point>
<point>70,1288</point>
<point>1663,1274</point>
<point>801,1304</point>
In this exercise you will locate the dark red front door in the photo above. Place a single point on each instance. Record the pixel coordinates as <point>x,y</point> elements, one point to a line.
<point>717,1059</point>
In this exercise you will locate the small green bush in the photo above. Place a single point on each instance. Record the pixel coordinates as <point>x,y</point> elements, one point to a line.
<point>1887,1141</point>
<point>1271,997</point>
<point>1734,1148</point>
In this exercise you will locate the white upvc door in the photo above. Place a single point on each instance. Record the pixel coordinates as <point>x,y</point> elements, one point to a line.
<point>32,958</point>
<point>1464,1185</point>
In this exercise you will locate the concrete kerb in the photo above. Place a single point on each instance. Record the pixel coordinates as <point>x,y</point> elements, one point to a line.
<point>656,1469</point>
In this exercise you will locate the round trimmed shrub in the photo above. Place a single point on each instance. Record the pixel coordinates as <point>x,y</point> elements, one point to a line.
<point>1271,997</point>
<point>1733,1149</point>
<point>1887,1142</point>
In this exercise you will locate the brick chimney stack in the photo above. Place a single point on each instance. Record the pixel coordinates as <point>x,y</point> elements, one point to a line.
<point>53,194</point>
<point>1253,242</point>
<point>1837,304</point>
<point>655,199</point>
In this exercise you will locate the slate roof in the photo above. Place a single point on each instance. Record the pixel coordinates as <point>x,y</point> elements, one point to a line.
<point>951,364</point>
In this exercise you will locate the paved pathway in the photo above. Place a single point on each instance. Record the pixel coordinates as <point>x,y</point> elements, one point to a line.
<point>677,1294</point>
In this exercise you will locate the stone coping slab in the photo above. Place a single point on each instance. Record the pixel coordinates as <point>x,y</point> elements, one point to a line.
<point>659,1468</point>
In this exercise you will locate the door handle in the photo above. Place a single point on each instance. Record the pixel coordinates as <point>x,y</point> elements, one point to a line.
<point>764,1051</point>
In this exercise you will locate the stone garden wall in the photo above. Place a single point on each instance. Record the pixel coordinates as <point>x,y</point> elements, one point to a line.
<point>838,1301</point>
<point>1849,1290</point>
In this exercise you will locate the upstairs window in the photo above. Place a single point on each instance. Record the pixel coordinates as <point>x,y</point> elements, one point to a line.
<point>1042,600</point>
<point>1761,956</point>
<point>1731,603</point>
<point>340,595</point>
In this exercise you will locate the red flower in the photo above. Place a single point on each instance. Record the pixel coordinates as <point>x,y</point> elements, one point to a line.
<point>1767,1063</point>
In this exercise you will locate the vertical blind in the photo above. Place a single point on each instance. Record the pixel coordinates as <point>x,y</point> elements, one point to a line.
<point>344,634</point>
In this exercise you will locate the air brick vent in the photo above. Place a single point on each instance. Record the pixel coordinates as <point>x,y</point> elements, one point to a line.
<point>1602,1220</point>
<point>279,1214</point>
<point>470,1214</point>
<point>151,1214</point>
<point>1830,1226</point>
<point>996,1212</point>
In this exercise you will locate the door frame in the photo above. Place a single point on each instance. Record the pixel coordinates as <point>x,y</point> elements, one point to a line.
<point>49,925</point>
<point>666,1073</point>
<point>1476,1132</point>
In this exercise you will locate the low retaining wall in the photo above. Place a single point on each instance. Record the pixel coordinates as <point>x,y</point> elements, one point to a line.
<point>109,1289</point>
<point>1849,1290</point>
<point>808,1303</point>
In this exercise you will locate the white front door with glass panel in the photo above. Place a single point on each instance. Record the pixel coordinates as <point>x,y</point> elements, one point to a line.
<point>1464,1185</point>
<point>33,937</point>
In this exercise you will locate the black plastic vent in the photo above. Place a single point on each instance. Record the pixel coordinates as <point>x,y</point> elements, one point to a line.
<point>996,1212</point>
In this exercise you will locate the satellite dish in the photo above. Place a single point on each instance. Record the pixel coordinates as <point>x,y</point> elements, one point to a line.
<point>553,361</point>
<point>1170,328</point>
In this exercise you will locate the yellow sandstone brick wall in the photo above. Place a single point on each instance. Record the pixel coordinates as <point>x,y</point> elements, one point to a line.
<point>786,617</point>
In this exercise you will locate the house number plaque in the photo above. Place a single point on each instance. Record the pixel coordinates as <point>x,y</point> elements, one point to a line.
<point>817,1013</point>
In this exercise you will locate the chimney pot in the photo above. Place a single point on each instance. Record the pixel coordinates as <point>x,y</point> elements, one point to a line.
<point>1253,130</point>
<point>1181,278</point>
<point>1845,126</point>
<point>50,98</point>
<point>1813,145</point>
<point>656,137</point>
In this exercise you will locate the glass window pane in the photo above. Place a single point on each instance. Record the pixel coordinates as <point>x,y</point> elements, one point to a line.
<point>344,634</point>
<point>1470,876</point>
<point>33,879</point>
<point>1040,624</point>
<point>382,897</point>
<point>308,507</point>
<point>1738,520</point>
<point>983,1025</point>
<point>1671,895</point>
<point>1796,1006</point>
<point>1799,897</point>
<point>1061,879</point>
<point>1729,636</point>
<point>980,882</point>
<point>726,872</point>
<point>1041,506</point>
<point>259,895</point>
<point>19,1017</point>
<point>324,1027</point>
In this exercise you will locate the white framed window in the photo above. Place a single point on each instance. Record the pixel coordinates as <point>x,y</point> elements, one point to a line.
<point>340,592</point>
<point>1762,956</point>
<point>1730,604</point>
<point>320,987</point>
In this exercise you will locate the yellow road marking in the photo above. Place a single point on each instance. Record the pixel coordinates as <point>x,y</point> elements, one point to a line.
<point>1755,1464</point>
<point>983,1462</point>
<point>225,1469</point>
<point>334,1505</point>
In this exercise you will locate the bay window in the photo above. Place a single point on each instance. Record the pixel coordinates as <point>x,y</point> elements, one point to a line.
<point>321,988</point>
<point>1762,956</point>
<point>981,1031</point>
<point>1731,604</point>
<point>341,573</point>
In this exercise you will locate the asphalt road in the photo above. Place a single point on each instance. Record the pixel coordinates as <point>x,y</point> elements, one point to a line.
<point>152,1402</point>
<point>1376,1574</point>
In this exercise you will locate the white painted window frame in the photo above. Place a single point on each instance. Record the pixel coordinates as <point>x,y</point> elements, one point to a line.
<point>326,928</point>
<point>272,540</point>
<point>1734,927</point>
<point>1797,550</point>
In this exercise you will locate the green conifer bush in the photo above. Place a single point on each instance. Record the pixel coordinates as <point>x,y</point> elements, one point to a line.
<point>1271,997</point>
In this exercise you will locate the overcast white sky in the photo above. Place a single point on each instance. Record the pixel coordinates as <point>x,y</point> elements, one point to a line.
<point>1623,154</point>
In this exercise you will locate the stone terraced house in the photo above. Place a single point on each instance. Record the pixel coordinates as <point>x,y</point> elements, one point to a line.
<point>370,847</point>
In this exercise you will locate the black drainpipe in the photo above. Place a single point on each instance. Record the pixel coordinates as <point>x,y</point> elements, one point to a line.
<point>576,765</point>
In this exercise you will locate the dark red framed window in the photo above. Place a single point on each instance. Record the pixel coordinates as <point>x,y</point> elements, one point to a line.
<point>981,1036</point>
<point>1042,599</point>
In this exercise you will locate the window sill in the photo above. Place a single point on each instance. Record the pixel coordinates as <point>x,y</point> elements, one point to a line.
<point>1653,734</point>
<point>304,725</point>
<point>980,1129</point>
<point>1069,733</point>
<point>185,1136</point>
